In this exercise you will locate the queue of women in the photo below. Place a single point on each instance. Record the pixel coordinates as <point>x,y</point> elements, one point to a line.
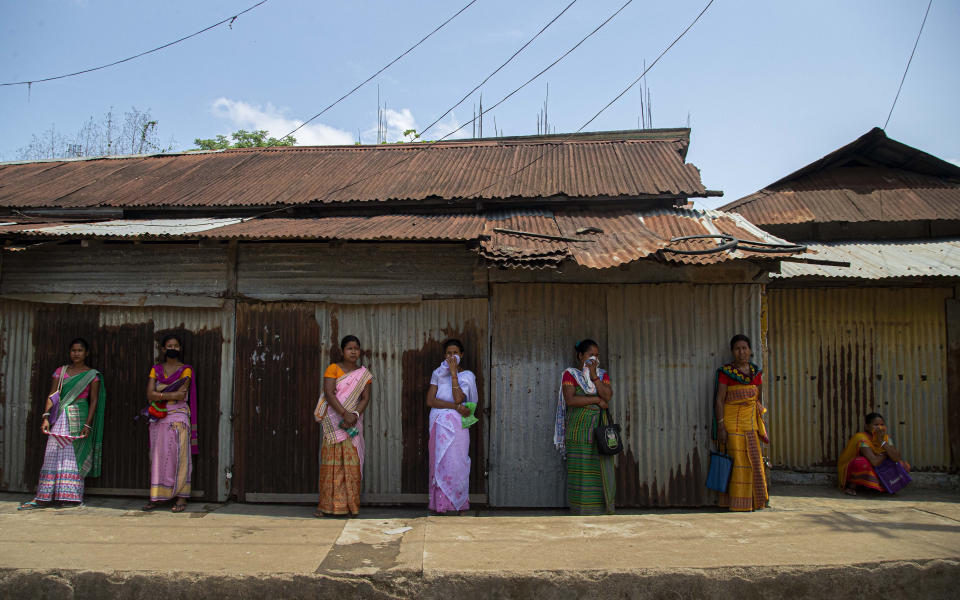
<point>73,420</point>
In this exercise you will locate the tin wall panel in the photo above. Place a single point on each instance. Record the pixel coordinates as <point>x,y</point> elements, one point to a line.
<point>16,393</point>
<point>666,342</point>
<point>116,269</point>
<point>662,345</point>
<point>534,330</point>
<point>282,351</point>
<point>124,345</point>
<point>402,345</point>
<point>840,353</point>
<point>351,273</point>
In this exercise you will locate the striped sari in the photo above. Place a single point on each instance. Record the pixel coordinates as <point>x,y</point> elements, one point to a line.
<point>69,458</point>
<point>342,450</point>
<point>591,481</point>
<point>743,420</point>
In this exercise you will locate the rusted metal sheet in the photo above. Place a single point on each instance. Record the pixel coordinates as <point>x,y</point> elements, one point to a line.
<point>16,393</point>
<point>116,268</point>
<point>446,227</point>
<point>662,345</point>
<point>614,164</point>
<point>124,345</point>
<point>277,382</point>
<point>879,260</point>
<point>840,353</point>
<point>282,351</point>
<point>953,379</point>
<point>666,342</point>
<point>902,184</point>
<point>357,272</point>
<point>535,329</point>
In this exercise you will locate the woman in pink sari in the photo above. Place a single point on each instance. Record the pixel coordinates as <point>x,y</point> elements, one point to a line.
<point>172,394</point>
<point>346,394</point>
<point>452,399</point>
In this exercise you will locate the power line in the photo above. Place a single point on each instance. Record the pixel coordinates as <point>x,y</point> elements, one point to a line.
<point>411,155</point>
<point>229,19</point>
<point>387,66</point>
<point>602,110</point>
<point>549,149</point>
<point>495,71</point>
<point>545,69</point>
<point>904,78</point>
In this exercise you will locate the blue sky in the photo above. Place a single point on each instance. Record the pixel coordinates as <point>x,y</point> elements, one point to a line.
<point>768,86</point>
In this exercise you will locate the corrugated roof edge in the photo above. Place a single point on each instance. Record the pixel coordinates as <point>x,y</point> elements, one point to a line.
<point>868,141</point>
<point>681,135</point>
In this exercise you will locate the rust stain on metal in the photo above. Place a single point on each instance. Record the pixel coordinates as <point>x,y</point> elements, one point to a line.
<point>684,484</point>
<point>610,165</point>
<point>277,383</point>
<point>418,364</point>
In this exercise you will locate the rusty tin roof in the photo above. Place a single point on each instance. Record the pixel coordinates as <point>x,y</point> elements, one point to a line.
<point>873,178</point>
<point>630,164</point>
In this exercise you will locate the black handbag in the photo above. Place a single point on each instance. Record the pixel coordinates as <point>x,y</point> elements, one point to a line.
<point>607,435</point>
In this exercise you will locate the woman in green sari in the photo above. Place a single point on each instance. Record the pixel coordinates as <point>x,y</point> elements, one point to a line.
<point>584,392</point>
<point>73,420</point>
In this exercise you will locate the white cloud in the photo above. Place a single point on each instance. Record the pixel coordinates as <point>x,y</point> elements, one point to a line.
<point>243,115</point>
<point>397,122</point>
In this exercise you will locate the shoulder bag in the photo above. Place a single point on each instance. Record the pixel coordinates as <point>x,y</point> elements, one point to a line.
<point>607,435</point>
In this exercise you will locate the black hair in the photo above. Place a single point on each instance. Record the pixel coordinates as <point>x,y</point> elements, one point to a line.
<point>347,339</point>
<point>453,342</point>
<point>870,417</point>
<point>81,341</point>
<point>168,337</point>
<point>740,338</point>
<point>583,345</point>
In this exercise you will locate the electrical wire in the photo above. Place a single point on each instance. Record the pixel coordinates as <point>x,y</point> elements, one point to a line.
<point>411,155</point>
<point>602,110</point>
<point>229,20</point>
<point>385,67</point>
<point>904,78</point>
<point>545,69</point>
<point>497,70</point>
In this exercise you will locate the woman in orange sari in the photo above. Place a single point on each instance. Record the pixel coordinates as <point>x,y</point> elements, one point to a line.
<point>346,393</point>
<point>740,427</point>
<point>866,451</point>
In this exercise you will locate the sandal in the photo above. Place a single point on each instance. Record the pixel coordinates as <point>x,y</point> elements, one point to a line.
<point>850,491</point>
<point>32,505</point>
<point>178,508</point>
<point>318,514</point>
<point>150,506</point>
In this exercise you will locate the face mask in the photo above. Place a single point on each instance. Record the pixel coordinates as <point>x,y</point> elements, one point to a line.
<point>171,353</point>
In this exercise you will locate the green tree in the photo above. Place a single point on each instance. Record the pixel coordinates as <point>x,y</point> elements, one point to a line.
<point>244,139</point>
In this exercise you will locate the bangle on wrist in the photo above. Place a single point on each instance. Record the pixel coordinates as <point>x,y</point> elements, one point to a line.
<point>45,415</point>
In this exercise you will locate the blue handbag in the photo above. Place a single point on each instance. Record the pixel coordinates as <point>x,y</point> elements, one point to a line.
<point>718,477</point>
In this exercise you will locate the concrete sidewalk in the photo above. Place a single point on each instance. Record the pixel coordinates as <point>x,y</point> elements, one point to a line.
<point>811,542</point>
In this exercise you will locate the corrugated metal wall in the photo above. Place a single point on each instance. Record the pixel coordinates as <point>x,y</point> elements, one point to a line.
<point>71,268</point>
<point>663,344</point>
<point>350,272</point>
<point>123,347</point>
<point>839,353</point>
<point>16,396</point>
<point>282,351</point>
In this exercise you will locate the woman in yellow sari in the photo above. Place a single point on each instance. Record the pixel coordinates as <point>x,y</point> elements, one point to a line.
<point>866,451</point>
<point>740,428</point>
<point>346,393</point>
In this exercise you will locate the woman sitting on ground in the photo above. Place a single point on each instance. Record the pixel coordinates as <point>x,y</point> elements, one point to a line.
<point>866,451</point>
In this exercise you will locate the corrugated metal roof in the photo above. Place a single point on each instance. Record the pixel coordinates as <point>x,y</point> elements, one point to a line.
<point>880,260</point>
<point>627,164</point>
<point>531,238</point>
<point>872,179</point>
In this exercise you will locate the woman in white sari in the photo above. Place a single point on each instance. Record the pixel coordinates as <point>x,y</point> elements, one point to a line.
<point>452,399</point>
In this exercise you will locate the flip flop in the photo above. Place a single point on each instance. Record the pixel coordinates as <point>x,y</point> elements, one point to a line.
<point>318,514</point>
<point>32,505</point>
<point>850,491</point>
<point>178,508</point>
<point>150,506</point>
